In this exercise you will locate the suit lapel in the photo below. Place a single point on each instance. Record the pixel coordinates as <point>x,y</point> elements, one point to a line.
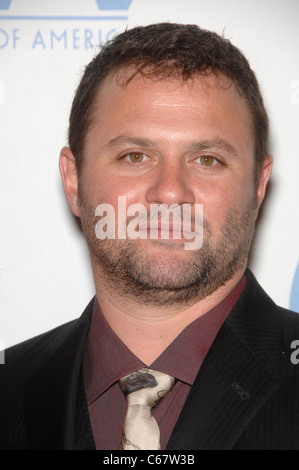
<point>51,392</point>
<point>229,390</point>
<point>234,381</point>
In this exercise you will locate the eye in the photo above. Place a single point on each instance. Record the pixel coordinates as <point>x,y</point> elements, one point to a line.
<point>136,157</point>
<point>207,160</point>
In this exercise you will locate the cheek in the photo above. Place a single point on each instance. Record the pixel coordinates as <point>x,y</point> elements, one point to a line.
<point>215,208</point>
<point>108,188</point>
<point>219,200</point>
<point>214,196</point>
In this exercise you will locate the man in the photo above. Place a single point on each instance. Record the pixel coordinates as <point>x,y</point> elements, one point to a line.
<point>171,116</point>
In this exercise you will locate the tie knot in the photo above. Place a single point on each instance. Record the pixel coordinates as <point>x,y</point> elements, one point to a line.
<point>146,387</point>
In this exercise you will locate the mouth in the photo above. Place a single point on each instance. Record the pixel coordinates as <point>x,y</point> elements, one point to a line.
<point>165,232</point>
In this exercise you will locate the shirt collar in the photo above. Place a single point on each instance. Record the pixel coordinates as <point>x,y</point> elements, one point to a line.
<point>107,359</point>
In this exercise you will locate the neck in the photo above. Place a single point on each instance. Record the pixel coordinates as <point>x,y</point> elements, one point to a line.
<point>148,330</point>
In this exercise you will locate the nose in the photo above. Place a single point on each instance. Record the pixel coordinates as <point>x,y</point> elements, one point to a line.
<point>169,185</point>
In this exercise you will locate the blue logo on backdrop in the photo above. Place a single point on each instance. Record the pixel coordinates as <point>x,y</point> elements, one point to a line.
<point>62,37</point>
<point>294,300</point>
<point>114,4</point>
<point>5,4</point>
<point>102,4</point>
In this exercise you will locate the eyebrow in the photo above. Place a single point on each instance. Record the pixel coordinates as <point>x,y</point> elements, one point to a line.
<point>218,144</point>
<point>126,140</point>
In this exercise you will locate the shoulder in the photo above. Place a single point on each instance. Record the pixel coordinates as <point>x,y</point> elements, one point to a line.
<point>34,348</point>
<point>37,372</point>
<point>256,308</point>
<point>22,359</point>
<point>268,330</point>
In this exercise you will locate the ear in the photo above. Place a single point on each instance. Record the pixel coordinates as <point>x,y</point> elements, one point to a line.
<point>69,176</point>
<point>263,179</point>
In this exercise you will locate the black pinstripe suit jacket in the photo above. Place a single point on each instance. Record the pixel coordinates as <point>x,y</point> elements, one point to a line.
<point>246,394</point>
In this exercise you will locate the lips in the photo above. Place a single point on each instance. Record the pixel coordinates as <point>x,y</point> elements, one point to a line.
<point>165,231</point>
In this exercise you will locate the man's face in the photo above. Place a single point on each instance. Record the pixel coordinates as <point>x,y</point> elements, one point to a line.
<point>171,142</point>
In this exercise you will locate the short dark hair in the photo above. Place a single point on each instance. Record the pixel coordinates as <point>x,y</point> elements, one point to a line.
<point>165,50</point>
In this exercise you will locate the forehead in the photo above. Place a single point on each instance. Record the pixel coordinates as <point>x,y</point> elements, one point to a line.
<point>126,81</point>
<point>201,103</point>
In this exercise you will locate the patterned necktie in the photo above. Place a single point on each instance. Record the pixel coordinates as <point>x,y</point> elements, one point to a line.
<point>143,390</point>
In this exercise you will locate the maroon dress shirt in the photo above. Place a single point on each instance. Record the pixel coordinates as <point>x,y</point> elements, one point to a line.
<point>107,359</point>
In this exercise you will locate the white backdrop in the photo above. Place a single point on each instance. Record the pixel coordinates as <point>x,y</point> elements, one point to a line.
<point>45,277</point>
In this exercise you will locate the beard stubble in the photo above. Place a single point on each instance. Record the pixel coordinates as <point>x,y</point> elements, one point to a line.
<point>132,272</point>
